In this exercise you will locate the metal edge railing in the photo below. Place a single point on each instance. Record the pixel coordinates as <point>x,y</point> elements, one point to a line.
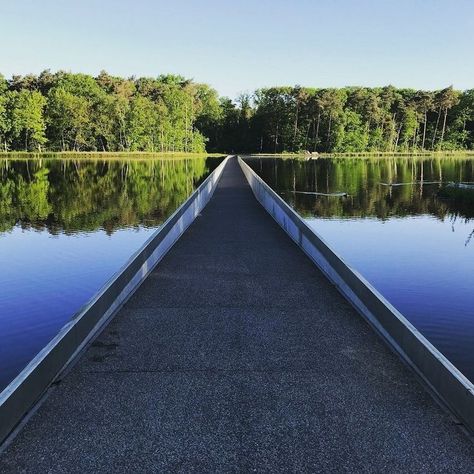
<point>22,394</point>
<point>440,376</point>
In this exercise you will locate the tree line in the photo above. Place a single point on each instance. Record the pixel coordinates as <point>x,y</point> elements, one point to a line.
<point>64,111</point>
<point>77,112</point>
<point>349,119</point>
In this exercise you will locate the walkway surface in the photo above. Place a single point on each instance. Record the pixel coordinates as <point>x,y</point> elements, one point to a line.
<point>237,355</point>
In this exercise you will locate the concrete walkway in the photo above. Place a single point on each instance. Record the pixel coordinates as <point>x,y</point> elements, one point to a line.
<point>237,355</point>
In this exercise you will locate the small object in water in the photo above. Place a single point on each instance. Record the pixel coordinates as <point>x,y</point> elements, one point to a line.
<point>465,186</point>
<point>411,183</point>
<point>319,194</point>
<point>460,185</point>
<point>311,155</point>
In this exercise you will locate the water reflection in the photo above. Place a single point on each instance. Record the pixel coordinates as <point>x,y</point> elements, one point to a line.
<point>77,195</point>
<point>412,240</point>
<point>366,183</point>
<point>66,226</point>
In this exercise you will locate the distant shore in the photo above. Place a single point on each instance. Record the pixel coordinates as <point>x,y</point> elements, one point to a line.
<point>139,155</point>
<point>100,155</point>
<point>375,154</point>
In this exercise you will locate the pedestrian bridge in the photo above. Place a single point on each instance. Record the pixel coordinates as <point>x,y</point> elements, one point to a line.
<point>241,345</point>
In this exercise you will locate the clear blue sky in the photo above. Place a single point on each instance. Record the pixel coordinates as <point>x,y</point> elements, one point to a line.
<point>240,45</point>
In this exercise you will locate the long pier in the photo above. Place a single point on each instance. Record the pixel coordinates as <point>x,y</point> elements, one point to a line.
<point>237,354</point>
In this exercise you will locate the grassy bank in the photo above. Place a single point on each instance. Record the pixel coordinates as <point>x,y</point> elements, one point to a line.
<point>103,155</point>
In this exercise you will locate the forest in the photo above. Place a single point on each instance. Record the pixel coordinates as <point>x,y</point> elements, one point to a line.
<point>65,111</point>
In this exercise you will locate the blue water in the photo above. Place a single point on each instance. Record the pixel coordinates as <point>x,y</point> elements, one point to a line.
<point>46,278</point>
<point>423,266</point>
<point>66,227</point>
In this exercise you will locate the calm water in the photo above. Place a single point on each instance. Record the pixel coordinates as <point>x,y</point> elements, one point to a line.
<point>66,227</point>
<point>415,247</point>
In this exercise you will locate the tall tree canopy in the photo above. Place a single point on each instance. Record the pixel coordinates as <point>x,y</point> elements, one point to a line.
<point>63,111</point>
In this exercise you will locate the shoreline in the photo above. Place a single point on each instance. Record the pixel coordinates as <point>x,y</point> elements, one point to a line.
<point>143,155</point>
<point>103,155</point>
<point>381,154</point>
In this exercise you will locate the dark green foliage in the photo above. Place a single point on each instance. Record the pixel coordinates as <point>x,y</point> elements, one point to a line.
<point>76,112</point>
<point>460,197</point>
<point>350,119</point>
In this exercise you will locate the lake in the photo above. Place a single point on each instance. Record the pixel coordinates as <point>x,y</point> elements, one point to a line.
<point>66,227</point>
<point>389,219</point>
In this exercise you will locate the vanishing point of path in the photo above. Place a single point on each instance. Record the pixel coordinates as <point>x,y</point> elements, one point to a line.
<point>238,355</point>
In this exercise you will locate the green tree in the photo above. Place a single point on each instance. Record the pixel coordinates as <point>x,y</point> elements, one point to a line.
<point>444,100</point>
<point>142,125</point>
<point>354,137</point>
<point>409,127</point>
<point>448,98</point>
<point>3,113</point>
<point>423,103</point>
<point>331,102</point>
<point>170,113</point>
<point>27,122</point>
<point>69,120</point>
